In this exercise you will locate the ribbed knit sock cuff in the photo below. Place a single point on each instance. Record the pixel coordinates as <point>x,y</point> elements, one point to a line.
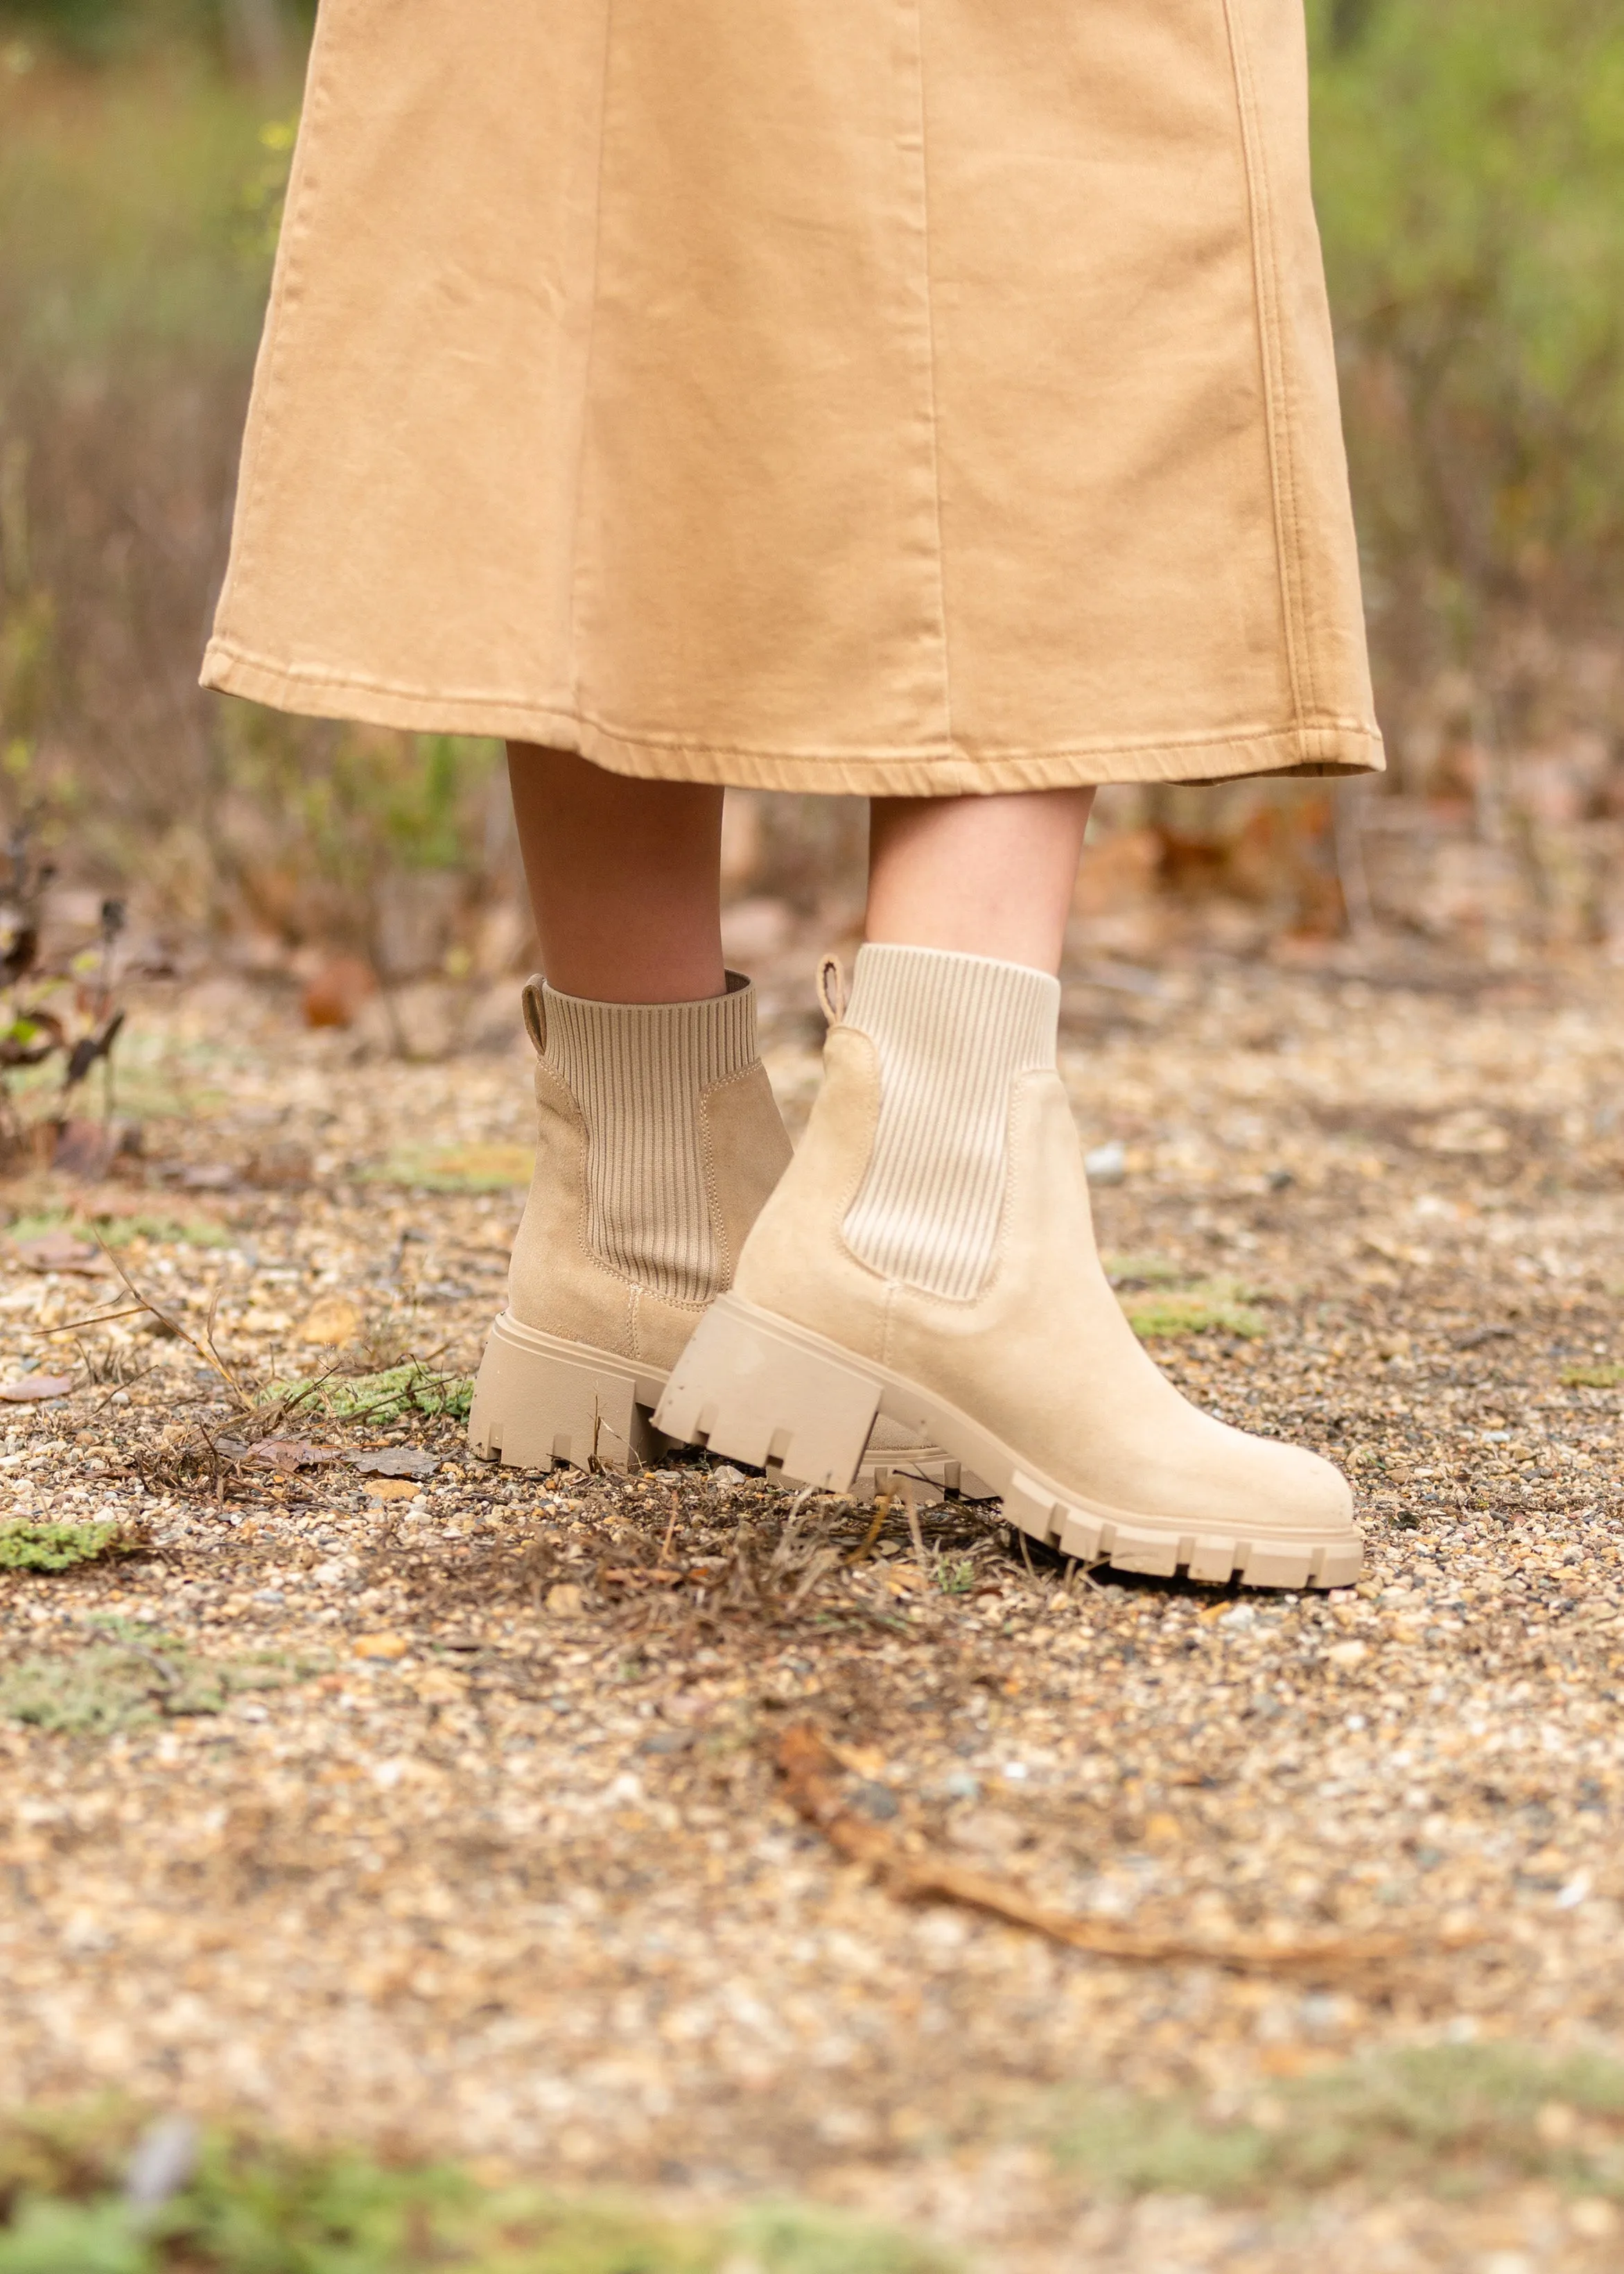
<point>627,1045</point>
<point>638,1072</point>
<point>951,1033</point>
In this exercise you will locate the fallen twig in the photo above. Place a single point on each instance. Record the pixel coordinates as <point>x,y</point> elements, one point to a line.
<point>209,1355</point>
<point>882,1510</point>
<point>808,1768</point>
<point>97,1319</point>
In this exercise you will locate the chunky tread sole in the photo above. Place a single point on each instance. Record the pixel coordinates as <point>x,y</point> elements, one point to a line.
<point>756,1388</point>
<point>541,1401</point>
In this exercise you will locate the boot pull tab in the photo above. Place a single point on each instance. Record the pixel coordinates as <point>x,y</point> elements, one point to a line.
<point>832,989</point>
<point>536,1015</point>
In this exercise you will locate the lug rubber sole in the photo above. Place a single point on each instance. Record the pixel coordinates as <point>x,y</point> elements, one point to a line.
<point>540,1401</point>
<point>756,1388</point>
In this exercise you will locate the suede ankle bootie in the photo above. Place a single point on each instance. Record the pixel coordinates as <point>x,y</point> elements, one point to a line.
<point>930,1257</point>
<point>658,1142</point>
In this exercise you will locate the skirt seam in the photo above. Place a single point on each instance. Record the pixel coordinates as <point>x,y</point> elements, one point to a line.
<point>590,360</point>
<point>932,365</point>
<point>1276,410</point>
<point>1333,723</point>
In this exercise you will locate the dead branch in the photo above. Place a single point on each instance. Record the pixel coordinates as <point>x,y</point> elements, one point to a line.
<point>808,1768</point>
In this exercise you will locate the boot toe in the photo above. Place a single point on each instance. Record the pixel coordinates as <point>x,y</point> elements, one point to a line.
<point>1309,1495</point>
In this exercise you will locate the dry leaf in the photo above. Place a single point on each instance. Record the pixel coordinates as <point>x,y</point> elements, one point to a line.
<point>333,1322</point>
<point>86,1148</point>
<point>35,1388</point>
<point>285,1453</point>
<point>207,1177</point>
<point>398,1461</point>
<point>565,1600</point>
<point>335,994</point>
<point>381,1645</point>
<point>285,1163</point>
<point>59,1251</point>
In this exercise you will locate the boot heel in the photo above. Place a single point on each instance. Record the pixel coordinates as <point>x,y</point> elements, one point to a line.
<point>756,1388</point>
<point>538,1401</point>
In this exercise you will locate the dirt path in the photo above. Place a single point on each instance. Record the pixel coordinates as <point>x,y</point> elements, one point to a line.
<point>442,1811</point>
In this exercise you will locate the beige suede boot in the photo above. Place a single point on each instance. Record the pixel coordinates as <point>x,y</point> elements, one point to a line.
<point>929,1257</point>
<point>659,1141</point>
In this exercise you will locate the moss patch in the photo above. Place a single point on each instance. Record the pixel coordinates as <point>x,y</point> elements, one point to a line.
<point>1443,2119</point>
<point>128,1679</point>
<point>387,1396</point>
<point>1142,1271</point>
<point>250,2207</point>
<point>56,1546</point>
<point>1593,1377</point>
<point>121,1231</point>
<point>1206,1307</point>
<point>461,1169</point>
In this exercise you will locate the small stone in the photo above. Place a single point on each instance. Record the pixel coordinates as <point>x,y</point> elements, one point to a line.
<point>331,1322</point>
<point>1107,1164</point>
<point>565,1600</point>
<point>994,1832</point>
<point>165,2157</point>
<point>1347,1653</point>
<point>381,1645</point>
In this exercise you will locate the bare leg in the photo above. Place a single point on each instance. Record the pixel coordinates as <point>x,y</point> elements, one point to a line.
<point>978,875</point>
<point>624,879</point>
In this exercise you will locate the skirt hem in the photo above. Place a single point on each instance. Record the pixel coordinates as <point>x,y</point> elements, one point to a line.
<point>1313,748</point>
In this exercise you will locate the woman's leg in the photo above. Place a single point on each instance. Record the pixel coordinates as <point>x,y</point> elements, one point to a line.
<point>624,879</point>
<point>977,876</point>
<point>658,1136</point>
<point>929,1252</point>
<point>655,1110</point>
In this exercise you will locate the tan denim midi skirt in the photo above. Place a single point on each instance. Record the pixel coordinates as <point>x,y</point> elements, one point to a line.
<point>892,396</point>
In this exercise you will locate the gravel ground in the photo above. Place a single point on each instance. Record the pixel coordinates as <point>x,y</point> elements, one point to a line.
<point>440,1810</point>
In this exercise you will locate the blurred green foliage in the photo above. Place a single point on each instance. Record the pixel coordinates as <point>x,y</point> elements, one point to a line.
<point>1470,166</point>
<point>1470,173</point>
<point>139,203</point>
<point>243,2205</point>
<point>1452,2120</point>
<point>25,1546</point>
<point>104,30</point>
